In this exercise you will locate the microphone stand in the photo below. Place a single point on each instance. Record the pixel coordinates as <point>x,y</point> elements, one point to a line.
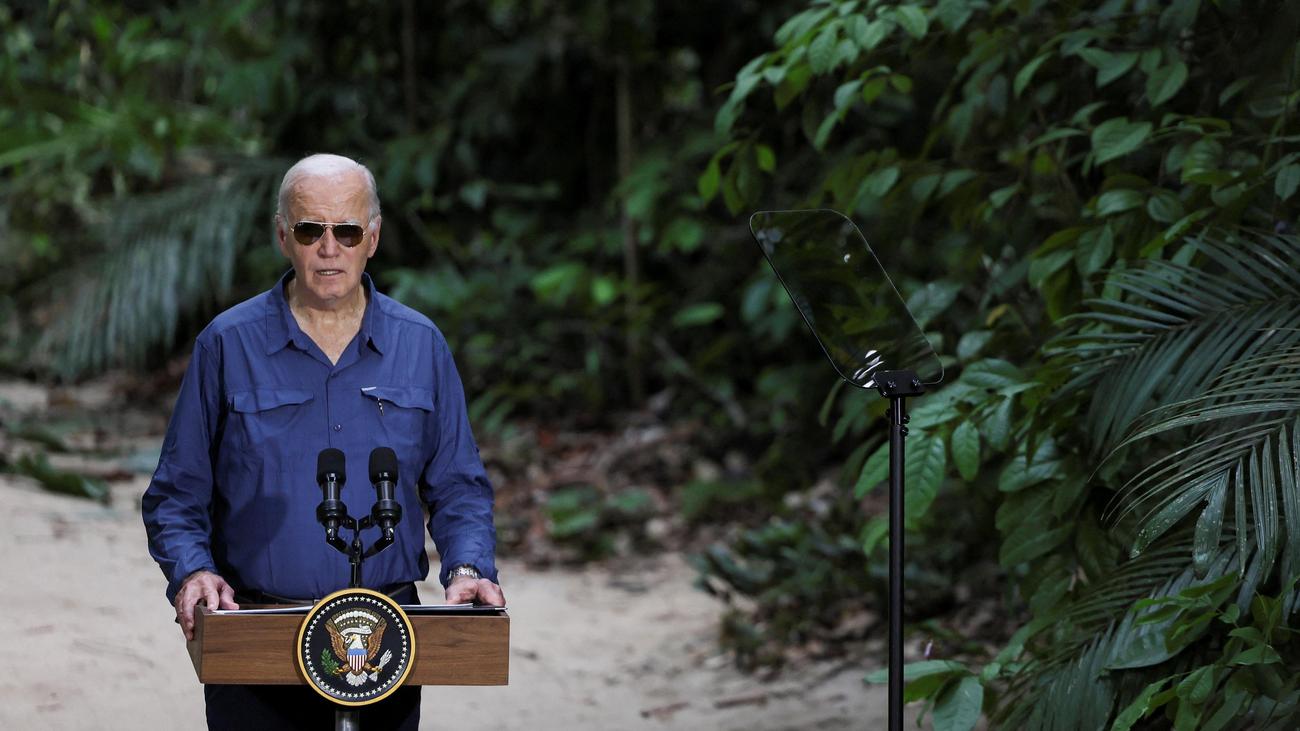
<point>349,719</point>
<point>355,551</point>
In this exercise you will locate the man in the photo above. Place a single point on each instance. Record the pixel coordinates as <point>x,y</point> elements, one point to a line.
<point>321,360</point>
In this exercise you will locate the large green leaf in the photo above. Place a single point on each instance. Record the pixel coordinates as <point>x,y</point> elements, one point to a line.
<point>924,468</point>
<point>913,20</point>
<point>921,669</point>
<point>1031,541</point>
<point>958,707</point>
<point>1136,710</point>
<point>930,301</point>
<point>1118,201</point>
<point>996,425</point>
<point>995,374</point>
<point>1026,73</point>
<point>966,449</point>
<point>1165,81</point>
<point>874,471</point>
<point>1117,137</point>
<point>821,52</point>
<point>1287,181</point>
<point>1110,66</point>
<point>869,35</point>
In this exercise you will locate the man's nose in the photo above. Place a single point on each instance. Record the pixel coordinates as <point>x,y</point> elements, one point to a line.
<point>330,246</point>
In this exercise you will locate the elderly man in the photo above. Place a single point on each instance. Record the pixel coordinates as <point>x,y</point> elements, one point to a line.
<point>321,360</point>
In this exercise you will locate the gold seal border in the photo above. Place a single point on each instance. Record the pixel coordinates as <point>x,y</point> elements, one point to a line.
<point>302,632</point>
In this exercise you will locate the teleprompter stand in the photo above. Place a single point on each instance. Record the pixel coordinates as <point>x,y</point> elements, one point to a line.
<point>896,386</point>
<point>866,331</point>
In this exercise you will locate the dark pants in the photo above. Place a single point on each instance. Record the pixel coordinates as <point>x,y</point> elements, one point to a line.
<point>277,707</point>
<point>283,707</point>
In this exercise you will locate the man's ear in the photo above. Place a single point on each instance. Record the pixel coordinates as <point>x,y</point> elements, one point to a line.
<point>374,236</point>
<point>281,235</point>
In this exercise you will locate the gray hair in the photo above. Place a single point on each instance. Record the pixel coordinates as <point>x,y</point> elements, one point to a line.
<point>325,164</point>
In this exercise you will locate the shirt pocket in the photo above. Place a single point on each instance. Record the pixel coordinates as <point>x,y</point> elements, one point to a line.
<point>403,412</point>
<point>268,416</point>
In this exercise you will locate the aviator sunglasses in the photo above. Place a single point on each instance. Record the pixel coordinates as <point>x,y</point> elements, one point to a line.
<point>347,234</point>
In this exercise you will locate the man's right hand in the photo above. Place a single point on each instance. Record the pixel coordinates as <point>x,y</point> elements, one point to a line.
<point>202,586</point>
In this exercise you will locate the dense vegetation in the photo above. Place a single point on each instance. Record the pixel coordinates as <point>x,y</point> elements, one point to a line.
<point>1099,200</point>
<point>1089,206</point>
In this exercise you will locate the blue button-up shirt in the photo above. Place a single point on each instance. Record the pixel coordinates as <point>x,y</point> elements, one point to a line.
<point>235,491</point>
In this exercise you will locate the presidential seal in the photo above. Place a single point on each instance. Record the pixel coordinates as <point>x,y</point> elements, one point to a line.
<point>355,647</point>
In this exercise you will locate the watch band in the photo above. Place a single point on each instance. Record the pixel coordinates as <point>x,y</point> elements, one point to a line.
<point>463,570</point>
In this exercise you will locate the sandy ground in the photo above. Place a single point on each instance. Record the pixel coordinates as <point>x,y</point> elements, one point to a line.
<point>591,649</point>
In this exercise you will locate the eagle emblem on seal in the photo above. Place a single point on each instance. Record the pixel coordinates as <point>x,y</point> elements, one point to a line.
<point>355,637</point>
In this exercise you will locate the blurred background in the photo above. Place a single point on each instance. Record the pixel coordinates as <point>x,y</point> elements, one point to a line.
<point>1089,207</point>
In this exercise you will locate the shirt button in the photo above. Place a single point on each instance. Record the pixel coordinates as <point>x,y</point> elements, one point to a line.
<point>338,427</point>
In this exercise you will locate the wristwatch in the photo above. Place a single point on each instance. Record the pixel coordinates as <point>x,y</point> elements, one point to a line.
<point>463,570</point>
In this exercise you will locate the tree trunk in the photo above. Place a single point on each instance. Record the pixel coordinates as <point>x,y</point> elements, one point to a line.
<point>631,295</point>
<point>408,62</point>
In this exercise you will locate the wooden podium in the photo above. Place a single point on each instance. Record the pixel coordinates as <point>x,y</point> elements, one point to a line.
<point>258,649</point>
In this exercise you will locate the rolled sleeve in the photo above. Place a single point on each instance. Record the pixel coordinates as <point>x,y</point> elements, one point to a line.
<point>454,484</point>
<point>176,505</point>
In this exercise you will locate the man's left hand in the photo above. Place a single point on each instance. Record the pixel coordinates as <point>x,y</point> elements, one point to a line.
<point>466,590</point>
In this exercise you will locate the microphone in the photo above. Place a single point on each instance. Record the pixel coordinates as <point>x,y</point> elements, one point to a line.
<point>383,473</point>
<point>330,475</point>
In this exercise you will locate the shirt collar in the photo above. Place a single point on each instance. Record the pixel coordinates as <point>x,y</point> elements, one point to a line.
<point>282,329</point>
<point>373,324</point>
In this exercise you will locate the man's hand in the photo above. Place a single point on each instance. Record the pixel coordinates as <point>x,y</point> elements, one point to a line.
<point>463,590</point>
<point>202,586</point>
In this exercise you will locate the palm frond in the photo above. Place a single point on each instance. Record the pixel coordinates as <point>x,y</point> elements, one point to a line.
<point>163,256</point>
<point>1077,697</point>
<point>1200,367</point>
<point>1072,683</point>
<point>1249,454</point>
<point>1179,327</point>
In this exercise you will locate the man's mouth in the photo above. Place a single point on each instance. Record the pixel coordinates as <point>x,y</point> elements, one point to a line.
<point>328,272</point>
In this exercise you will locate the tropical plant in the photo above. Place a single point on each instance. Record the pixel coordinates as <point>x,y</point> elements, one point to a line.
<point>1091,206</point>
<point>1205,495</point>
<point>125,187</point>
<point>536,163</point>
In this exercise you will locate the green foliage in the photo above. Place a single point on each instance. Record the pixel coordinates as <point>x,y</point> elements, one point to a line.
<point>582,517</point>
<point>124,192</point>
<point>55,480</point>
<point>328,662</point>
<point>1090,208</point>
<point>703,500</point>
<point>959,694</point>
<point>796,570</point>
<point>144,145</point>
<point>1106,193</point>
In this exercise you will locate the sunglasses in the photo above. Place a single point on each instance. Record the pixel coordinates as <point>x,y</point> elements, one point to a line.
<point>347,234</point>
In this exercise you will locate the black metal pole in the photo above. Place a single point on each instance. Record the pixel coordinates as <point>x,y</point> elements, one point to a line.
<point>349,720</point>
<point>897,432</point>
<point>354,558</point>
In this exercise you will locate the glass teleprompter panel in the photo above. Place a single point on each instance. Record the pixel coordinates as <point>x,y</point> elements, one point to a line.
<point>843,293</point>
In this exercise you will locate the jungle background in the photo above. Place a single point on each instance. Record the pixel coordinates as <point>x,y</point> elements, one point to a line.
<point>1090,207</point>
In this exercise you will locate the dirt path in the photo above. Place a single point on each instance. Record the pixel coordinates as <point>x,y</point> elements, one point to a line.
<point>591,649</point>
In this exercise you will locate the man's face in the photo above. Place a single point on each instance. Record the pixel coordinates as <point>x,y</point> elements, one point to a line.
<point>328,272</point>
